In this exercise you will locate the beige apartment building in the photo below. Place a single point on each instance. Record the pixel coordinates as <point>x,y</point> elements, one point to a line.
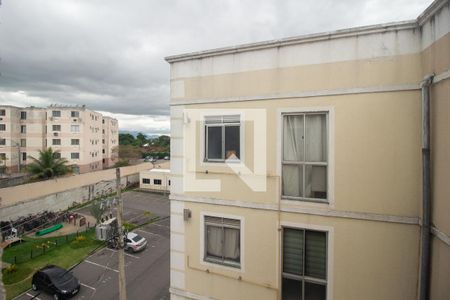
<point>82,136</point>
<point>296,166</point>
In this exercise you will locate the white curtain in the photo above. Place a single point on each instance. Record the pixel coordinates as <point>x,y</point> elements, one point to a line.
<point>292,180</point>
<point>231,244</point>
<point>315,181</point>
<point>316,133</point>
<point>214,241</point>
<point>293,138</point>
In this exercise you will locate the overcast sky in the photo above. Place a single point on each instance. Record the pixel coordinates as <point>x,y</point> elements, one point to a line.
<point>109,54</point>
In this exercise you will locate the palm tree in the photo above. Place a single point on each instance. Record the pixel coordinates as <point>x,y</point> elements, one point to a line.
<point>49,165</point>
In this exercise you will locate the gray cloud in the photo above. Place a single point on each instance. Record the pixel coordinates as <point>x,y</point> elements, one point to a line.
<point>109,54</point>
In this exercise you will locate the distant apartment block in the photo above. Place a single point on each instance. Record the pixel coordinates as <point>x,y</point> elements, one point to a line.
<point>88,140</point>
<point>297,166</point>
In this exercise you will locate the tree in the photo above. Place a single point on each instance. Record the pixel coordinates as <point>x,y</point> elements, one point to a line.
<point>129,152</point>
<point>97,209</point>
<point>141,139</point>
<point>164,141</point>
<point>126,139</point>
<point>48,165</point>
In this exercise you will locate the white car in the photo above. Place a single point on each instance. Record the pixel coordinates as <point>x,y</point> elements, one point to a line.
<point>135,242</point>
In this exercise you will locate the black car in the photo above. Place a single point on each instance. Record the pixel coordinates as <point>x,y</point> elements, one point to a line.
<point>56,281</point>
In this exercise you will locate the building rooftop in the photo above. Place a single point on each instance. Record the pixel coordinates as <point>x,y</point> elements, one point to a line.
<point>308,38</point>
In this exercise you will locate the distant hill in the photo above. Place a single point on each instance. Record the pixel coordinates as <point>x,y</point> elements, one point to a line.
<point>135,133</point>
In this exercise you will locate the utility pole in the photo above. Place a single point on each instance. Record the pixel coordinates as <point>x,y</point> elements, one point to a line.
<point>122,279</point>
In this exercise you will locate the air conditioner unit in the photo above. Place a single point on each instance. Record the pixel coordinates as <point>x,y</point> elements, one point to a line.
<point>50,118</point>
<point>55,133</point>
<point>1,119</point>
<point>74,120</point>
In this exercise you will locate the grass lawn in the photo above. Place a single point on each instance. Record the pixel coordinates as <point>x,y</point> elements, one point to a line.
<point>64,255</point>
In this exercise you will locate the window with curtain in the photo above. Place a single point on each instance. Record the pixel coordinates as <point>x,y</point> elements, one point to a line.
<point>304,274</point>
<point>304,156</point>
<point>223,241</point>
<point>222,138</point>
<point>74,128</point>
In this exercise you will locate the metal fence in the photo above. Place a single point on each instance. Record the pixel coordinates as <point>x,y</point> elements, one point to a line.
<point>35,248</point>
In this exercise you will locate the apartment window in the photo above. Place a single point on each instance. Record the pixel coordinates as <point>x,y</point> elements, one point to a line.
<point>56,113</point>
<point>103,141</point>
<point>223,241</point>
<point>157,181</point>
<point>23,128</point>
<point>169,182</point>
<point>56,142</point>
<point>56,155</point>
<point>304,274</point>
<point>2,127</point>
<point>75,128</point>
<point>2,112</point>
<point>23,115</point>
<point>145,180</point>
<point>75,114</point>
<point>103,150</point>
<point>103,121</point>
<point>75,142</point>
<point>3,142</point>
<point>75,155</point>
<point>304,156</point>
<point>2,156</point>
<point>23,142</point>
<point>24,156</point>
<point>56,127</point>
<point>222,138</point>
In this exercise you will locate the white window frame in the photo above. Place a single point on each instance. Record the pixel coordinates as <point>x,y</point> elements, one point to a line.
<point>74,126</point>
<point>241,267</point>
<point>202,152</point>
<point>56,113</point>
<point>310,202</point>
<point>330,251</point>
<point>74,114</point>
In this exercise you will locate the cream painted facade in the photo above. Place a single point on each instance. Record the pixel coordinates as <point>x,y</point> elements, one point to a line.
<point>75,131</point>
<point>110,141</point>
<point>367,83</point>
<point>155,180</point>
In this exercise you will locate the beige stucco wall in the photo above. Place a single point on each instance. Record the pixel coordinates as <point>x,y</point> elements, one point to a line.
<point>12,195</point>
<point>377,147</point>
<point>370,84</point>
<point>440,270</point>
<point>366,255</point>
<point>163,176</point>
<point>436,59</point>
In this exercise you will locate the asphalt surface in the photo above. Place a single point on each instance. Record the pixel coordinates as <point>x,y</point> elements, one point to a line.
<point>147,272</point>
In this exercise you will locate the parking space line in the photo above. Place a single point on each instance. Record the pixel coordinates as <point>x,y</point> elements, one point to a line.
<point>88,286</point>
<point>101,266</point>
<point>127,254</point>
<point>33,297</point>
<point>160,225</point>
<point>147,232</point>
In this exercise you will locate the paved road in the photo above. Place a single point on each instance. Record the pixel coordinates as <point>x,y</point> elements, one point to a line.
<point>147,271</point>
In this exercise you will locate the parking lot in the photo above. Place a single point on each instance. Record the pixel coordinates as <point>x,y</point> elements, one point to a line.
<point>147,272</point>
